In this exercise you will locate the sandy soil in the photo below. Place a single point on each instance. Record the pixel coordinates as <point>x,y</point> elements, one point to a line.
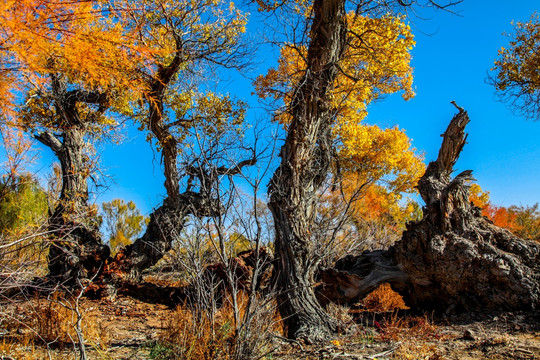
<point>129,329</point>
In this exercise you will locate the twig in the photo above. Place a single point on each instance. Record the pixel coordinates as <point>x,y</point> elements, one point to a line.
<point>360,356</point>
<point>289,340</point>
<point>384,353</point>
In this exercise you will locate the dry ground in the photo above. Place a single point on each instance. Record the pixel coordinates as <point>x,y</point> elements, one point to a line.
<point>129,329</point>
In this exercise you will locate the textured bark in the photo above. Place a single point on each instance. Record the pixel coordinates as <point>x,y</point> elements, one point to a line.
<point>168,220</point>
<point>454,259</point>
<point>242,267</point>
<point>305,161</point>
<point>166,223</point>
<point>353,277</point>
<point>76,250</point>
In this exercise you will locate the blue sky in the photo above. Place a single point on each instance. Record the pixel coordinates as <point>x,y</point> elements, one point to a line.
<point>451,60</point>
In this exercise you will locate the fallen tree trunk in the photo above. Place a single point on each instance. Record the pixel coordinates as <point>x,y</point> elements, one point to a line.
<point>244,268</point>
<point>452,259</point>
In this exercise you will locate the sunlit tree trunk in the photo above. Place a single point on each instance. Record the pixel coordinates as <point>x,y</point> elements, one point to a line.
<point>76,250</point>
<point>305,163</point>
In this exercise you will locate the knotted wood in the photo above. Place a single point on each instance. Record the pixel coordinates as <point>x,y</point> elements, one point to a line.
<point>454,259</point>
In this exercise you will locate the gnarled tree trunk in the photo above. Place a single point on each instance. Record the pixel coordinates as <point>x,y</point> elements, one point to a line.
<point>166,223</point>
<point>76,250</point>
<point>452,259</point>
<point>168,220</point>
<point>305,163</point>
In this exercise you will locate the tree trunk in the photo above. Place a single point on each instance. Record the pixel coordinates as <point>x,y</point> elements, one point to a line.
<point>306,158</point>
<point>168,220</point>
<point>76,250</point>
<point>457,258</point>
<point>454,259</point>
<point>166,223</point>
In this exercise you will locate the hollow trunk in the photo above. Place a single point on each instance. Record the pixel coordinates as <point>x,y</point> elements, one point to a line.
<point>305,163</point>
<point>454,259</point>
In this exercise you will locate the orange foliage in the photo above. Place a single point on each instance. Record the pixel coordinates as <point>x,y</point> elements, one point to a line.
<point>384,299</point>
<point>368,216</point>
<point>523,221</point>
<point>499,215</point>
<point>376,202</point>
<point>82,40</point>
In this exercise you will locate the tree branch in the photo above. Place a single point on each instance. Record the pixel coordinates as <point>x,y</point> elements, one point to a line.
<point>50,140</point>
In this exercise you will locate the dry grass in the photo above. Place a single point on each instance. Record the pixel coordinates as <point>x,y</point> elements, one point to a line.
<point>49,324</point>
<point>417,351</point>
<point>395,328</point>
<point>199,334</point>
<point>192,334</point>
<point>141,331</point>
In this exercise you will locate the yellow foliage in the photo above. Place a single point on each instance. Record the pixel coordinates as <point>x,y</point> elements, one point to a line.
<point>478,197</point>
<point>376,62</point>
<point>213,112</point>
<point>379,154</point>
<point>518,78</point>
<point>123,222</point>
<point>191,34</point>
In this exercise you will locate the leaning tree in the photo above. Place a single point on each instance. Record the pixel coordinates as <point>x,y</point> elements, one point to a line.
<point>346,59</point>
<point>189,39</point>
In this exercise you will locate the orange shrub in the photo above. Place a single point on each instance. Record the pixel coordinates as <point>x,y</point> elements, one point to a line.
<point>384,299</point>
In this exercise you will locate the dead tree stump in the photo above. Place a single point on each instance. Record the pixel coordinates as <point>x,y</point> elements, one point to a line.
<point>452,259</point>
